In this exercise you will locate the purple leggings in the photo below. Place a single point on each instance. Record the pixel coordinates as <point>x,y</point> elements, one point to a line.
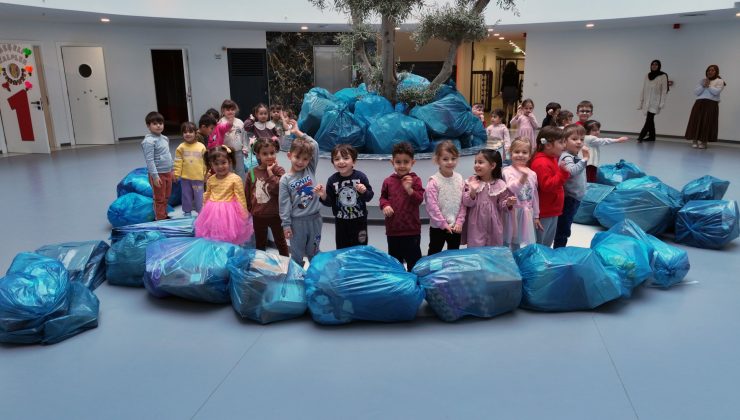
<point>192,195</point>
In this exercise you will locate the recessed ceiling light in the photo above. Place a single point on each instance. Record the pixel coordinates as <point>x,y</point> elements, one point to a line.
<point>589,25</point>
<point>490,29</point>
<point>304,28</point>
<point>398,28</point>
<point>104,20</point>
<point>501,38</point>
<point>737,14</point>
<point>496,34</point>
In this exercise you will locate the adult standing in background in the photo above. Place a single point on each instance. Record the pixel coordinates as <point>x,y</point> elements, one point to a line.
<point>654,91</point>
<point>510,89</point>
<point>704,119</point>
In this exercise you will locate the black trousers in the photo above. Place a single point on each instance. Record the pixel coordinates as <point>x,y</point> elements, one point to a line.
<point>565,221</point>
<point>405,249</point>
<point>438,238</point>
<point>648,129</point>
<point>350,232</point>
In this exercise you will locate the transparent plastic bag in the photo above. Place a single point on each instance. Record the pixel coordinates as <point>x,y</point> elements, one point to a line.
<point>339,126</point>
<point>394,128</point>
<point>81,315</point>
<point>132,208</point>
<point>618,172</point>
<point>707,223</point>
<point>653,183</point>
<point>126,259</point>
<point>650,209</point>
<point>170,228</point>
<point>371,107</point>
<point>705,188</point>
<point>482,282</point>
<point>84,261</point>
<point>624,257</point>
<point>670,264</point>
<point>594,194</point>
<point>315,103</point>
<point>447,117</point>
<point>137,181</point>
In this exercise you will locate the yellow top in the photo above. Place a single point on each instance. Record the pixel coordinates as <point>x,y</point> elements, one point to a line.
<point>226,189</point>
<point>189,162</point>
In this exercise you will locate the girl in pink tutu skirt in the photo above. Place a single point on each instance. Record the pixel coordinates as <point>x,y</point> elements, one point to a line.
<point>520,223</point>
<point>224,217</point>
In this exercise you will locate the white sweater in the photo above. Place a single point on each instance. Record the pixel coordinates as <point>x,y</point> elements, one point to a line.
<point>653,94</point>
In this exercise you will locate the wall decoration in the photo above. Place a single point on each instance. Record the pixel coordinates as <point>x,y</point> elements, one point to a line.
<point>15,69</point>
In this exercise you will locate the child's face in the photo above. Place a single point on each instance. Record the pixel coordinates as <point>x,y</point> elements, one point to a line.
<point>447,162</point>
<point>156,127</point>
<point>189,136</point>
<point>343,164</point>
<point>567,121</point>
<point>402,164</point>
<point>520,155</point>
<point>495,120</point>
<point>267,155</point>
<point>596,131</point>
<point>555,148</point>
<point>482,167</point>
<point>574,143</point>
<point>275,114</point>
<point>527,109</point>
<point>585,113</point>
<point>221,166</point>
<point>229,113</point>
<point>262,115</point>
<point>298,162</point>
<point>206,130</point>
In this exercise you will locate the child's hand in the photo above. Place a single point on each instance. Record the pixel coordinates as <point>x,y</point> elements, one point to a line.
<point>510,201</point>
<point>622,139</point>
<point>538,225</point>
<point>157,182</point>
<point>245,150</point>
<point>388,211</point>
<point>550,112</point>
<point>320,191</point>
<point>270,168</point>
<point>251,117</point>
<point>288,232</point>
<point>585,152</point>
<point>408,184</point>
<point>457,228</point>
<point>525,177</point>
<point>361,188</point>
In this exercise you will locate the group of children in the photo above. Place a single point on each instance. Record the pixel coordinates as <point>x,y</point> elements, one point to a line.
<point>531,200</point>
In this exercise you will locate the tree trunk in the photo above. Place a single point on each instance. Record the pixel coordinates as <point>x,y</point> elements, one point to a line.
<point>387,58</point>
<point>361,54</point>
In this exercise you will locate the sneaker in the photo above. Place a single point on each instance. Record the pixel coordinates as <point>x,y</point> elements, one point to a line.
<point>702,146</point>
<point>187,214</point>
<point>694,145</point>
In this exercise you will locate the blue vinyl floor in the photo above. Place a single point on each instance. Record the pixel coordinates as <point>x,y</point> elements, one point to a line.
<point>664,354</point>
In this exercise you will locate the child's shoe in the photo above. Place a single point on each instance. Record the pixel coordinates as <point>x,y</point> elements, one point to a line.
<point>187,214</point>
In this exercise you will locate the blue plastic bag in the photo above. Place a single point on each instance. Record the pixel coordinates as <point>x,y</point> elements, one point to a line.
<point>618,172</point>
<point>339,126</point>
<point>126,259</point>
<point>315,103</point>
<point>670,264</point>
<point>651,209</point>
<point>625,258</point>
<point>349,96</point>
<point>594,194</point>
<point>653,183</point>
<point>408,81</point>
<point>84,261</point>
<point>481,282</point>
<point>564,279</point>
<point>394,128</point>
<point>266,287</point>
<point>171,228</point>
<point>707,223</point>
<point>81,315</point>
<point>131,208</point>
<point>137,181</point>
<point>191,268</point>
<point>705,188</point>
<point>34,290</point>
<point>360,283</point>
<point>447,117</point>
<point>371,107</point>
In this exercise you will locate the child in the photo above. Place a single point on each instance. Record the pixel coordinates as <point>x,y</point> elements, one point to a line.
<point>206,123</point>
<point>259,126</point>
<point>477,110</point>
<point>593,142</point>
<point>575,186</point>
<point>224,217</point>
<point>498,133</point>
<point>234,136</point>
<point>400,198</point>
<point>563,118</point>
<point>552,109</point>
<point>585,110</point>
<point>299,207</point>
<point>444,200</point>
<point>550,181</point>
<point>190,168</point>
<point>485,196</point>
<point>213,113</point>
<point>156,149</point>
<point>284,126</point>
<point>262,196</point>
<point>520,223</point>
<point>347,192</point>
<point>525,121</point>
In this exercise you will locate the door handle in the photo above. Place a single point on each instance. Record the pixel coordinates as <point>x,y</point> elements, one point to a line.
<point>104,99</point>
<point>37,103</point>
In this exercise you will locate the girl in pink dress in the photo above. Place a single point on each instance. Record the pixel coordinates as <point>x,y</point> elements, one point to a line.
<point>519,223</point>
<point>486,197</point>
<point>526,122</point>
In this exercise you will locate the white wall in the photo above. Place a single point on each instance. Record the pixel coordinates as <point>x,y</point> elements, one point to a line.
<point>129,67</point>
<point>608,67</point>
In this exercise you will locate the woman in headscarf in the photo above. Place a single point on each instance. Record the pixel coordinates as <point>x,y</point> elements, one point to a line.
<point>654,91</point>
<point>510,89</point>
<point>704,119</point>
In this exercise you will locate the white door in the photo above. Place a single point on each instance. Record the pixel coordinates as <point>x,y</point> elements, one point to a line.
<point>24,124</point>
<point>87,88</point>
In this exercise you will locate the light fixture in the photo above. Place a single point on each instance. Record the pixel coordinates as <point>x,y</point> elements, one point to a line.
<point>490,29</point>
<point>304,28</point>
<point>104,20</point>
<point>501,38</point>
<point>496,34</point>
<point>589,25</point>
<point>398,28</point>
<point>737,14</point>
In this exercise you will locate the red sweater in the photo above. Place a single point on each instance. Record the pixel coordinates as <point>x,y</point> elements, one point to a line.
<point>550,181</point>
<point>405,220</point>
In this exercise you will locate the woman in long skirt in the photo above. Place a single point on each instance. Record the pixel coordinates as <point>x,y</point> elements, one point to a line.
<point>704,119</point>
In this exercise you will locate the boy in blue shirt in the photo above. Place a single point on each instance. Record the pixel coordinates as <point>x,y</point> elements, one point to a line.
<point>159,163</point>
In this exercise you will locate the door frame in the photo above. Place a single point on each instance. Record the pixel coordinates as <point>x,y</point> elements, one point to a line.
<point>186,72</point>
<point>65,91</point>
<point>44,97</point>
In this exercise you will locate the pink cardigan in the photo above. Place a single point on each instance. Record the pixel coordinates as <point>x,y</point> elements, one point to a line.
<point>436,218</point>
